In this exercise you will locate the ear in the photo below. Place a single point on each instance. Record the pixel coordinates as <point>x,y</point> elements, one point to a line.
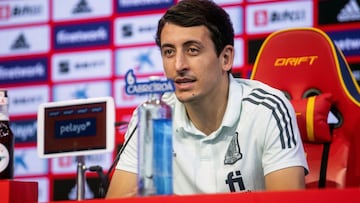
<point>227,57</point>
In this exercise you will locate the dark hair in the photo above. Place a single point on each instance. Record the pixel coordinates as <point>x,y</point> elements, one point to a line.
<point>188,13</point>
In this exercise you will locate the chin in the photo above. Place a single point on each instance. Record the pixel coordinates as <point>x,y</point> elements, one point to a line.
<point>185,97</point>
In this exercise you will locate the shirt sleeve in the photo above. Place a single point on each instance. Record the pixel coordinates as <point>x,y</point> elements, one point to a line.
<point>282,146</point>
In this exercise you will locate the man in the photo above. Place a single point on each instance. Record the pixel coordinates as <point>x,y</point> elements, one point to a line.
<point>230,135</point>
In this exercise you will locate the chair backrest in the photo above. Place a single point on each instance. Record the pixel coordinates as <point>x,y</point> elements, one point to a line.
<point>306,65</point>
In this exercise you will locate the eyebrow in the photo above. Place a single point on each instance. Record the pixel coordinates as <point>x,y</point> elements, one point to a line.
<point>187,43</point>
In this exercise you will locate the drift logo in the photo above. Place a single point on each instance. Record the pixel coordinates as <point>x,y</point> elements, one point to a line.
<point>232,179</point>
<point>295,61</point>
<point>75,128</point>
<point>83,35</point>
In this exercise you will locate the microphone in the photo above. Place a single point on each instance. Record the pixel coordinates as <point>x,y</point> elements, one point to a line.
<point>103,181</point>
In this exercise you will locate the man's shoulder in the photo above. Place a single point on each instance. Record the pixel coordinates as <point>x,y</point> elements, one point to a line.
<point>250,86</point>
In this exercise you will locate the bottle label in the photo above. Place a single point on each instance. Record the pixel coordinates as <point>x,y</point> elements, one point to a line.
<point>133,87</point>
<point>162,130</point>
<point>4,157</point>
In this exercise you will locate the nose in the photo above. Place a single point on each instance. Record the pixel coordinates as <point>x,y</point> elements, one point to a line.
<point>180,62</point>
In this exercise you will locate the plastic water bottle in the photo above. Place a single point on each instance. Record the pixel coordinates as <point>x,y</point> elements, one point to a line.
<point>155,147</point>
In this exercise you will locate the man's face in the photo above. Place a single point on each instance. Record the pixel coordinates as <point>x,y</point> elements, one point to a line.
<point>189,58</point>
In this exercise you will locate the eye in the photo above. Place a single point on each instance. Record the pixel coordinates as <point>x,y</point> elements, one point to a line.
<point>193,51</point>
<point>168,52</point>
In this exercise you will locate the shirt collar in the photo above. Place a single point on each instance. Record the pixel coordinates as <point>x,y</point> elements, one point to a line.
<point>231,115</point>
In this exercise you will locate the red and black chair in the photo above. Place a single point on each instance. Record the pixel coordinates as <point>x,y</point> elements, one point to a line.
<point>312,72</point>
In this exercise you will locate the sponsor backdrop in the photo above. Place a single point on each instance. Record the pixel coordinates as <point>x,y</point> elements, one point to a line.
<point>52,50</point>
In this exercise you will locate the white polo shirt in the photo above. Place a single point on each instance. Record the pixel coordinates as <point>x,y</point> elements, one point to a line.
<point>258,135</point>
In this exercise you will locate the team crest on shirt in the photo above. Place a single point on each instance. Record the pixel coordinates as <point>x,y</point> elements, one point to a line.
<point>233,153</point>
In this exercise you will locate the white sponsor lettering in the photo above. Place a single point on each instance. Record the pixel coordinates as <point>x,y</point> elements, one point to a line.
<point>24,131</point>
<point>74,128</point>
<point>348,44</point>
<point>63,37</point>
<point>17,72</point>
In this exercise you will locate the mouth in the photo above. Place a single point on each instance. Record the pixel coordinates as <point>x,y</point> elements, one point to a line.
<point>184,82</point>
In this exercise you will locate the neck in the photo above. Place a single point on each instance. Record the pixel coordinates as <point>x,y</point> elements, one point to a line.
<point>208,113</point>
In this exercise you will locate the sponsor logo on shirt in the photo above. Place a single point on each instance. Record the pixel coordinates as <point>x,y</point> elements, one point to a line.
<point>20,71</point>
<point>135,29</point>
<point>348,41</point>
<point>263,18</point>
<point>24,40</point>
<point>81,65</point>
<point>82,35</point>
<point>235,181</point>
<point>139,5</point>
<point>81,9</point>
<point>23,12</point>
